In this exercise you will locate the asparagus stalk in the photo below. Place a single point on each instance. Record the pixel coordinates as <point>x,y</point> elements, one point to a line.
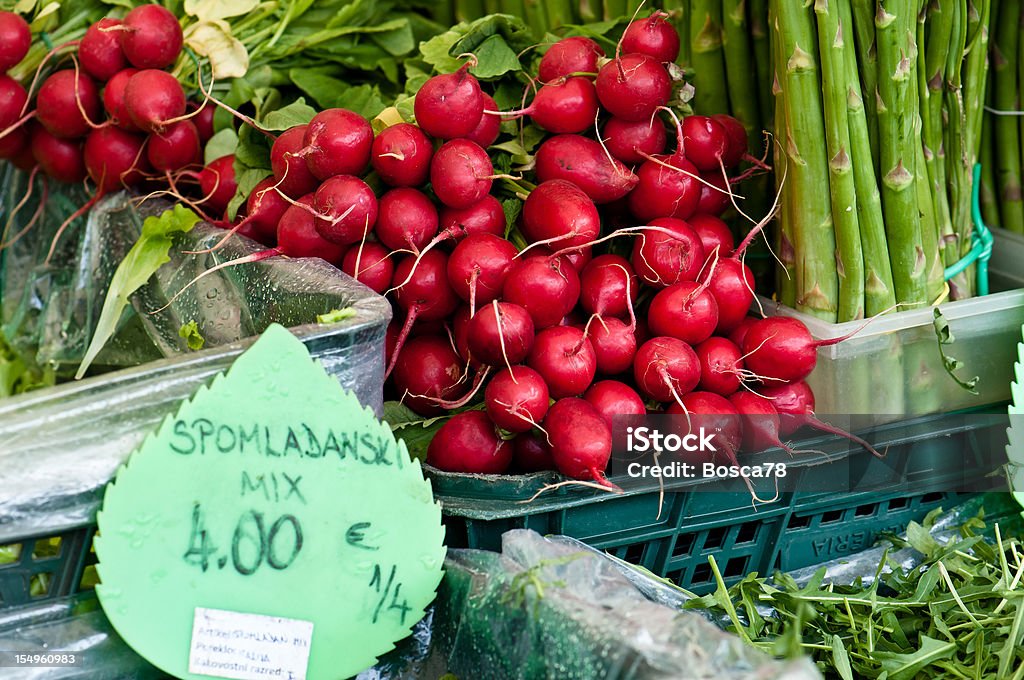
<point>849,255</point>
<point>514,7</point>
<point>710,95</point>
<point>535,17</point>
<point>468,10</point>
<point>987,191</point>
<point>741,77</point>
<point>558,13</point>
<point>879,294</point>
<point>867,57</point>
<point>931,228</point>
<point>1007,134</point>
<point>613,9</point>
<point>955,120</point>
<point>932,59</point>
<point>897,53</point>
<point>785,282</point>
<point>758,21</point>
<point>807,163</point>
<point>590,11</point>
<point>679,13</point>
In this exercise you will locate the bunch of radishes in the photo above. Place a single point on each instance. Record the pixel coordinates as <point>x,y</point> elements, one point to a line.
<point>110,111</point>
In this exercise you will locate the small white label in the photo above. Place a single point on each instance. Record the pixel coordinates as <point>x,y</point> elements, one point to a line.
<point>229,644</point>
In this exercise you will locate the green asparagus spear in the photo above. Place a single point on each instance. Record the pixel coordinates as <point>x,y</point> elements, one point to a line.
<point>895,25</point>
<point>807,163</point>
<point>879,294</point>
<point>758,21</point>
<point>987,191</point>
<point>710,95</point>
<point>849,256</point>
<point>741,75</point>
<point>932,57</point>
<point>679,15</point>
<point>785,281</point>
<point>931,227</point>
<point>558,13</point>
<point>468,10</point>
<point>590,11</point>
<point>613,9</point>
<point>1007,133</point>
<point>867,58</point>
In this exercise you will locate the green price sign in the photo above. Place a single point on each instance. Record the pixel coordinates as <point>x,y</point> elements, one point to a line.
<point>271,527</point>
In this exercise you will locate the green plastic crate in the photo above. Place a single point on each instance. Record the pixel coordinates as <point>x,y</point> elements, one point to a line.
<point>930,462</point>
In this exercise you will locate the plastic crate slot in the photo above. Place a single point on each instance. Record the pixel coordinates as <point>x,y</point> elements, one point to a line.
<point>933,497</point>
<point>90,577</point>
<point>46,548</point>
<point>831,516</point>
<point>676,576</point>
<point>633,553</point>
<point>799,522</point>
<point>866,510</point>
<point>715,538</point>
<point>10,554</point>
<point>683,545</point>
<point>747,532</point>
<point>702,573</point>
<point>899,503</point>
<point>41,584</point>
<point>736,567</point>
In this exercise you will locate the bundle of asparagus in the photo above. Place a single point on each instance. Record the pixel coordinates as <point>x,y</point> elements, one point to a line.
<point>877,107</point>
<point>1002,139</point>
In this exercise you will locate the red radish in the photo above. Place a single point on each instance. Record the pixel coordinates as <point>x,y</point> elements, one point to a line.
<point>558,212</point>
<point>760,422</point>
<point>24,160</point>
<point>653,36</point>
<point>686,311</point>
<point>713,201</point>
<point>427,371</point>
<point>628,140</point>
<point>705,142</point>
<point>428,290</point>
<point>666,188</point>
<point>583,162</point>
<point>547,287</point>
<point>663,260</point>
<point>152,98</point>
<point>567,105</point>
<point>348,209</point>
<point>715,414</point>
<point>609,287</point>
<point>720,365</point>
<point>460,335</point>
<point>217,182</point>
<point>370,264</point>
<point>581,441</point>
<point>500,334</point>
<point>569,56</point>
<point>401,155</point>
<point>152,37</point>
<point>577,258</point>
<point>566,360</point>
<point>265,207</point>
<point>449,106</point>
<point>487,130</point>
<point>12,100</point>
<point>174,148</point>
<point>478,266</point>
<point>460,173</point>
<point>113,100</point>
<point>202,120</point>
<point>59,158</point>
<point>114,158</point>
<point>15,143</point>
<point>337,142</point>
<point>486,216</point>
<point>613,398</point>
<point>406,219</point>
<point>15,40</point>
<point>614,345</point>
<point>633,86</point>
<point>666,368</point>
<point>531,453</point>
<point>781,348</point>
<point>57,106</point>
<point>737,334</point>
<point>297,235</point>
<point>732,285</point>
<point>289,166</point>
<point>713,233</point>
<point>794,402</point>
<point>737,139</point>
<point>468,443</point>
<point>100,50</point>
<point>516,399</point>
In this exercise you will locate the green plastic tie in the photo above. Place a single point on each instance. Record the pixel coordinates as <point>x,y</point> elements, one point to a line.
<point>981,250</point>
<point>45,37</point>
